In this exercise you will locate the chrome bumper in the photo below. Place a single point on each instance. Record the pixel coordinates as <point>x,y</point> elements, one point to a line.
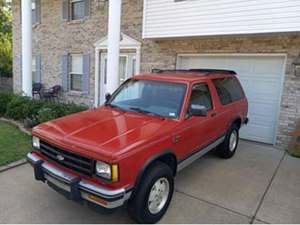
<point>75,188</point>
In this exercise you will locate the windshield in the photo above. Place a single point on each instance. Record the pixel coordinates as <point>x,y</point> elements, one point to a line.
<point>150,97</point>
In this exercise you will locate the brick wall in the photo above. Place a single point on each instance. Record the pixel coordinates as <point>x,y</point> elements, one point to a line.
<point>53,38</point>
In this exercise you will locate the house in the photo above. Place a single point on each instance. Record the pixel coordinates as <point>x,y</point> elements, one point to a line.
<point>259,40</point>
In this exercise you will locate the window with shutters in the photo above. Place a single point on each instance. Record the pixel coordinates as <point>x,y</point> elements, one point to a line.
<point>77,9</point>
<point>76,72</point>
<point>73,10</point>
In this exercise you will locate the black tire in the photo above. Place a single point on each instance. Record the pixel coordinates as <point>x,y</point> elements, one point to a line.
<point>224,150</point>
<point>138,204</point>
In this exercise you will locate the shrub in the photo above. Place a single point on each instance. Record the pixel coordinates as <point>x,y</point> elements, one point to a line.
<point>33,112</point>
<point>15,108</point>
<point>46,114</point>
<point>5,98</point>
<point>73,108</point>
<point>52,111</point>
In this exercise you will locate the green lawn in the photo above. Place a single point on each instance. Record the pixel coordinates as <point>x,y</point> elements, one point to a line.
<point>14,144</point>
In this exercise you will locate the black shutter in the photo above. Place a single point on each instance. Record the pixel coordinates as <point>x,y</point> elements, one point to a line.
<point>87,8</point>
<point>65,72</point>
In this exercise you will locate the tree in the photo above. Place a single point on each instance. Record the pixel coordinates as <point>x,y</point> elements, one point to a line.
<point>5,38</point>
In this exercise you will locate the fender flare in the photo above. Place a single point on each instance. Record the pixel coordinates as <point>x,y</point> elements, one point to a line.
<point>150,161</point>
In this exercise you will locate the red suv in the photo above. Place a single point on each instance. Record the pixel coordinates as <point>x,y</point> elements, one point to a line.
<point>130,149</point>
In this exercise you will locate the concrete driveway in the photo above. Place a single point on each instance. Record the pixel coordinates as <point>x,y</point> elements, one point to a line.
<point>259,185</point>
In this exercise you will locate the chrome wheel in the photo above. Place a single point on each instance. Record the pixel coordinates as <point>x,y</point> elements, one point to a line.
<point>233,140</point>
<point>158,196</point>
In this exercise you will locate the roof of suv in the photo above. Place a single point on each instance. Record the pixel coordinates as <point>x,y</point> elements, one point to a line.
<point>185,75</point>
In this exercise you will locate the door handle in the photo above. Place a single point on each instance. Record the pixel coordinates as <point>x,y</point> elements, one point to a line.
<point>214,114</point>
<point>176,138</point>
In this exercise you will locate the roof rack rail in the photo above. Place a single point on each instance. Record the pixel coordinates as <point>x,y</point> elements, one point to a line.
<point>207,71</point>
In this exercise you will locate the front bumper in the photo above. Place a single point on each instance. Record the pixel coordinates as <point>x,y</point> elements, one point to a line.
<point>75,188</point>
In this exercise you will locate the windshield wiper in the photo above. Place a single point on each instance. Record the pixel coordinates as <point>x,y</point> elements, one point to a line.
<point>115,107</point>
<point>139,110</point>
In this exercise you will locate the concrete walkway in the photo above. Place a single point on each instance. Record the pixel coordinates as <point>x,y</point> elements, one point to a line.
<point>259,185</point>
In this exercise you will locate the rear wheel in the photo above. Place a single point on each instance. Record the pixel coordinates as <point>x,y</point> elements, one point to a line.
<point>228,148</point>
<point>152,198</point>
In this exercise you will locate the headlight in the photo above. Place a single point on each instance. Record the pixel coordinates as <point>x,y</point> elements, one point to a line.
<point>107,171</point>
<point>36,142</point>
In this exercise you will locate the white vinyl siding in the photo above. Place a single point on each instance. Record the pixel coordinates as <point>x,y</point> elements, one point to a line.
<point>169,18</point>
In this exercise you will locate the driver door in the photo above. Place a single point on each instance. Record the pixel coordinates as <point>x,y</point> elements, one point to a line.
<point>198,131</point>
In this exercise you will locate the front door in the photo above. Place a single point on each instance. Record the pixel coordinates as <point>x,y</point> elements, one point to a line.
<point>127,68</point>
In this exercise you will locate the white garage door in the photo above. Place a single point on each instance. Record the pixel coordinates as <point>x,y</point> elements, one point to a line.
<point>261,77</point>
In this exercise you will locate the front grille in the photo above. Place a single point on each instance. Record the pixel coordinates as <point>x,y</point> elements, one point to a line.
<point>70,160</point>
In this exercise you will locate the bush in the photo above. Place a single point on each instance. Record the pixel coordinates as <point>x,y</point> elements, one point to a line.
<point>52,111</point>
<point>46,114</point>
<point>5,98</point>
<point>15,108</point>
<point>33,112</point>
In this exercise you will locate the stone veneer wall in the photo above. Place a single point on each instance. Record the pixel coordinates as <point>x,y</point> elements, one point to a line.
<point>6,84</point>
<point>53,38</point>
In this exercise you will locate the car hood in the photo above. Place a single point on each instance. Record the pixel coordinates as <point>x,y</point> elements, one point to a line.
<point>102,132</point>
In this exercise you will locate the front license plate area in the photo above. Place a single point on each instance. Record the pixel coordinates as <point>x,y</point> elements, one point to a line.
<point>59,190</point>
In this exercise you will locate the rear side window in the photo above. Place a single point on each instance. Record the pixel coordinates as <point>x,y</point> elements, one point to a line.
<point>201,96</point>
<point>228,89</point>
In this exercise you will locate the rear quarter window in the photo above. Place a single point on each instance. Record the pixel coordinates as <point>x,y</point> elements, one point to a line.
<point>228,89</point>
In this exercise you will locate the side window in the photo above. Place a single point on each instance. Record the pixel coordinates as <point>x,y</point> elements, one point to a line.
<point>228,89</point>
<point>201,96</point>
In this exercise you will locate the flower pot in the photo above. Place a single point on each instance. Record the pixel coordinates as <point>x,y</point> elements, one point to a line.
<point>294,146</point>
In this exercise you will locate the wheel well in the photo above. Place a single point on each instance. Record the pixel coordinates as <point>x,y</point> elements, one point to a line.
<point>237,122</point>
<point>168,158</point>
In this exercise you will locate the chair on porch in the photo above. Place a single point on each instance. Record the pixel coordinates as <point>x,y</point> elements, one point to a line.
<point>37,89</point>
<point>52,93</point>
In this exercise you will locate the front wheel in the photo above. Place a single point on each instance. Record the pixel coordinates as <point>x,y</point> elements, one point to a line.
<point>152,198</point>
<point>228,148</point>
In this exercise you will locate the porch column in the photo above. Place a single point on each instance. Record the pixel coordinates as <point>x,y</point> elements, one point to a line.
<point>113,52</point>
<point>26,48</point>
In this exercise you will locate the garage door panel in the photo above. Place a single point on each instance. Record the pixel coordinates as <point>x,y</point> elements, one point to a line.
<point>269,66</point>
<point>260,77</point>
<point>257,133</point>
<point>264,91</point>
<point>262,110</point>
<point>261,120</point>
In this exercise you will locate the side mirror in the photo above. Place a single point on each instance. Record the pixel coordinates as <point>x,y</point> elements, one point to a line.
<point>107,97</point>
<point>198,110</point>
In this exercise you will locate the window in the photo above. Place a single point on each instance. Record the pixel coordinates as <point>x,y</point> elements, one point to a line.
<point>133,69</point>
<point>76,72</point>
<point>33,68</point>
<point>229,90</point>
<point>77,9</point>
<point>122,69</point>
<point>35,11</point>
<point>201,96</point>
